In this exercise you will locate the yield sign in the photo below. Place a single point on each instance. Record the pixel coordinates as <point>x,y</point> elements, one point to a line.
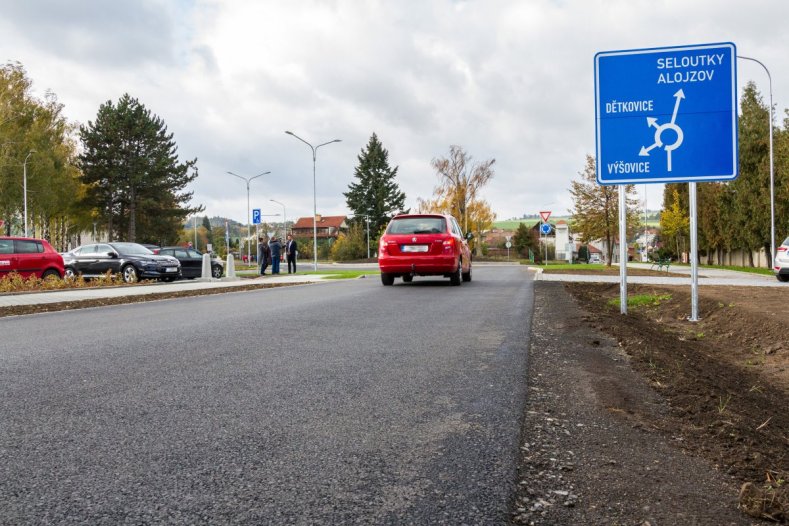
<point>545,216</point>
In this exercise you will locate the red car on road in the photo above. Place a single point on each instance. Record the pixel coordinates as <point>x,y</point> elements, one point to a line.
<point>29,257</point>
<point>424,245</point>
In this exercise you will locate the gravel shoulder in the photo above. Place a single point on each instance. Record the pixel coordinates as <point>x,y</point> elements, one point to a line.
<point>591,452</point>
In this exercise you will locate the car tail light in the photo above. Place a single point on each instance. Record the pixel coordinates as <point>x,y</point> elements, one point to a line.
<point>783,249</point>
<point>449,245</point>
<point>382,248</point>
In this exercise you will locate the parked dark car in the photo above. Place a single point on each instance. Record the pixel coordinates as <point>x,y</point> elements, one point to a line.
<point>192,262</point>
<point>29,257</point>
<point>131,260</point>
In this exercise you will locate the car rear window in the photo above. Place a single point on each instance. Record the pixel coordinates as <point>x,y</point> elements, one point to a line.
<point>418,225</point>
<point>6,246</point>
<point>26,246</point>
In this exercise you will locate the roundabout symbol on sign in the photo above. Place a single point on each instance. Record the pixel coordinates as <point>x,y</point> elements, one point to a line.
<point>660,128</point>
<point>545,228</point>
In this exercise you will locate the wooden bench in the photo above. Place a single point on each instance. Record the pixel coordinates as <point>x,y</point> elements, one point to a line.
<point>662,264</point>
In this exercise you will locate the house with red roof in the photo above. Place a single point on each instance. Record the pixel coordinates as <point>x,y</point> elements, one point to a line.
<point>329,227</point>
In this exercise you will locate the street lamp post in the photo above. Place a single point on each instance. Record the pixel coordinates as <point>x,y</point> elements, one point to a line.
<point>24,184</point>
<point>248,180</point>
<point>772,173</point>
<point>314,198</point>
<point>284,217</point>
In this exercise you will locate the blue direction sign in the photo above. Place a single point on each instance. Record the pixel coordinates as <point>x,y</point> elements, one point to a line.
<point>666,114</point>
<point>256,216</point>
<point>545,228</point>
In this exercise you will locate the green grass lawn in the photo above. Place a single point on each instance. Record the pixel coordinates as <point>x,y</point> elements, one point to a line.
<point>567,266</point>
<point>343,274</point>
<point>641,300</point>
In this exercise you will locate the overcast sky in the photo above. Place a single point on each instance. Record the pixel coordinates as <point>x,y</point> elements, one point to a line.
<point>510,80</point>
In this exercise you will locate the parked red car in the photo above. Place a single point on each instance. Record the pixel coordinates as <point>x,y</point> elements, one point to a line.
<point>29,257</point>
<point>424,245</point>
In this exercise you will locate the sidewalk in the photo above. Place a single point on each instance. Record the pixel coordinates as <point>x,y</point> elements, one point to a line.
<point>58,296</point>
<point>706,277</point>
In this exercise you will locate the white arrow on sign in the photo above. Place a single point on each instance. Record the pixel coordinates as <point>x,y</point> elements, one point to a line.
<point>652,122</point>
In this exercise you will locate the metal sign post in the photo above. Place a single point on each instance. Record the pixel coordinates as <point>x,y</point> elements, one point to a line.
<point>694,256</point>
<point>545,229</point>
<point>622,250</point>
<point>666,115</point>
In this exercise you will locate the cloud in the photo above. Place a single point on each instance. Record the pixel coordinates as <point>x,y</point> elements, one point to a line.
<point>509,80</point>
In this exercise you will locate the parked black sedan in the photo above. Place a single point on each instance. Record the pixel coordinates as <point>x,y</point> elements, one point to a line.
<point>131,260</point>
<point>192,262</point>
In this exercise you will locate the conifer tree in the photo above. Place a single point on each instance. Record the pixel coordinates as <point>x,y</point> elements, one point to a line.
<point>752,186</point>
<point>134,178</point>
<point>375,191</point>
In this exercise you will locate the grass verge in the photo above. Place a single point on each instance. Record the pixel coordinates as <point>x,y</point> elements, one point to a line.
<point>343,274</point>
<point>642,300</point>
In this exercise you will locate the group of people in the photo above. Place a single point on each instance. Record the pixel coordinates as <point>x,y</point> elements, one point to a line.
<point>269,253</point>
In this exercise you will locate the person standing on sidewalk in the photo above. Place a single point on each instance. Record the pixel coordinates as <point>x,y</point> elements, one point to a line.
<point>290,253</point>
<point>276,248</point>
<point>264,255</point>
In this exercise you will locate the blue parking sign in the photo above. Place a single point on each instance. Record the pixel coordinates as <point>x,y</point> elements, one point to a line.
<point>666,115</point>
<point>256,216</point>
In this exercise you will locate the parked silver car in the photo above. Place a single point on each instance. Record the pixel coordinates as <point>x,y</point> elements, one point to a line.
<point>781,264</point>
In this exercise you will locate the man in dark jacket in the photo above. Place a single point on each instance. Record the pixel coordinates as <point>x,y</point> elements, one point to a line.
<point>275,247</point>
<point>264,255</point>
<point>290,253</point>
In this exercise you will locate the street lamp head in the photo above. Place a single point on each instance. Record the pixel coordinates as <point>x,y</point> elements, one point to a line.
<point>289,132</point>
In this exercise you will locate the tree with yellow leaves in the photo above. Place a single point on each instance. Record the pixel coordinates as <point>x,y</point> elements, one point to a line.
<point>460,182</point>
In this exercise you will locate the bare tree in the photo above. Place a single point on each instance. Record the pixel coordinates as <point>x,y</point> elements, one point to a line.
<point>460,181</point>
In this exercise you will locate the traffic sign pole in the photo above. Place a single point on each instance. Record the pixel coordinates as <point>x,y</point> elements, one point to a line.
<point>694,255</point>
<point>622,250</point>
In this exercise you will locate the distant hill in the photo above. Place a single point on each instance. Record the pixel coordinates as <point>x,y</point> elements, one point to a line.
<point>512,224</point>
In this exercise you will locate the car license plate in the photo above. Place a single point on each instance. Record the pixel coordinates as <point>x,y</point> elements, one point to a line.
<point>171,269</point>
<point>414,248</point>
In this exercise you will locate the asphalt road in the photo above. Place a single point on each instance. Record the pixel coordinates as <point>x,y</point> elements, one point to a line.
<point>337,403</point>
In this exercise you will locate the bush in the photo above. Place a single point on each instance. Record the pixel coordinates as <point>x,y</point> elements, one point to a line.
<point>583,253</point>
<point>661,253</point>
<point>14,282</point>
<point>351,246</point>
